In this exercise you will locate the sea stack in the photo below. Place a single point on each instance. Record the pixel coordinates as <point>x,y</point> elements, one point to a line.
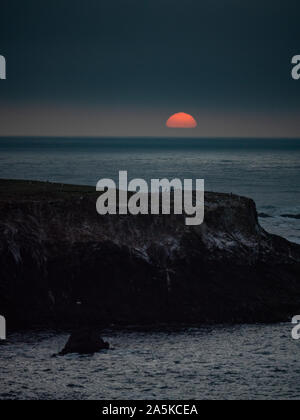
<point>84,341</point>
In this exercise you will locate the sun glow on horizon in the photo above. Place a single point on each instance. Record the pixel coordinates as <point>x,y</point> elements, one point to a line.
<point>181,120</point>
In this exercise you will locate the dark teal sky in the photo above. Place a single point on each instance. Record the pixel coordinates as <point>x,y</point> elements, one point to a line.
<point>138,61</point>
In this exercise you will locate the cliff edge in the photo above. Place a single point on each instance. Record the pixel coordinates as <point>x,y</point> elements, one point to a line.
<point>63,264</point>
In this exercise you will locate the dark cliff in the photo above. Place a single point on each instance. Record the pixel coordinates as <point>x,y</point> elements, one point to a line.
<point>55,251</point>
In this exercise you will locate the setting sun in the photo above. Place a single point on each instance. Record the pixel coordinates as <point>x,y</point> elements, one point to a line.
<point>181,120</point>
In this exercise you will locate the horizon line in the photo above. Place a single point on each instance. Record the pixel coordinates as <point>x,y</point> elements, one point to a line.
<point>151,137</point>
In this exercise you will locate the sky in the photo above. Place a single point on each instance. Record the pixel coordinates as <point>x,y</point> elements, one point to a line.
<point>122,67</point>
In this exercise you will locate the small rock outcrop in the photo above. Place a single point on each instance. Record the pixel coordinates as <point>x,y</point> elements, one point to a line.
<point>291,216</point>
<point>84,341</point>
<point>264,216</point>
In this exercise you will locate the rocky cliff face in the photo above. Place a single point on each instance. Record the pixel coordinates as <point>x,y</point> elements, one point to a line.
<point>57,252</point>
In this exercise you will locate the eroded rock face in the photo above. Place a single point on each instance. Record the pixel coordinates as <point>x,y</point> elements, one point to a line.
<point>84,341</point>
<point>56,250</point>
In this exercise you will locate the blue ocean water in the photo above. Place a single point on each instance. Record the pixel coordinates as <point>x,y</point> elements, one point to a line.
<point>214,362</point>
<point>267,170</point>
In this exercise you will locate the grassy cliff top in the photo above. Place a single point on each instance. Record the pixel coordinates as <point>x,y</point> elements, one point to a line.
<point>18,190</point>
<point>23,190</point>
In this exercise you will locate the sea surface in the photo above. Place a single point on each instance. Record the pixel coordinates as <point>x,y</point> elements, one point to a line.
<point>267,170</point>
<point>220,362</point>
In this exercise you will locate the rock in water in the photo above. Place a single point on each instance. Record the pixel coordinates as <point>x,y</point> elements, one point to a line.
<point>291,216</point>
<point>84,342</point>
<point>264,216</point>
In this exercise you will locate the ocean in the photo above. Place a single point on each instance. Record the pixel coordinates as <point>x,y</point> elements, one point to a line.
<point>267,170</point>
<point>213,362</point>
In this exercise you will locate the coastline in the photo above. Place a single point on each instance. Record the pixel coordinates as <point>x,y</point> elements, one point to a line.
<point>55,252</point>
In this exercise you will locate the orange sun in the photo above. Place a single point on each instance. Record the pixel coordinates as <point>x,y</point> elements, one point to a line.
<point>181,120</point>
